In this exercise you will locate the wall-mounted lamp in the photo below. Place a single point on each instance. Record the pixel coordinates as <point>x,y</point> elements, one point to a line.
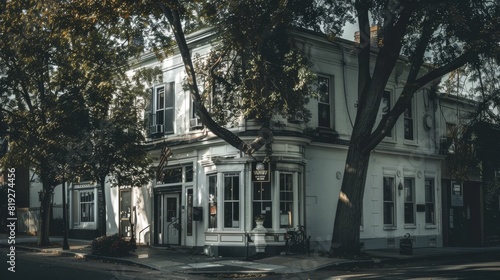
<point>400,188</point>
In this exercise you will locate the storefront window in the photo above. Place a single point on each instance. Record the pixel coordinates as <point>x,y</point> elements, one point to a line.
<point>87,206</point>
<point>286,199</point>
<point>262,203</point>
<point>231,201</point>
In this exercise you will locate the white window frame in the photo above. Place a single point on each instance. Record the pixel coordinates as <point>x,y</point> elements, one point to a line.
<point>329,102</point>
<point>162,106</point>
<point>232,201</point>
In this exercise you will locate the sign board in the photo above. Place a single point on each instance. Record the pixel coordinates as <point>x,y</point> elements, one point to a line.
<point>261,172</point>
<point>457,197</point>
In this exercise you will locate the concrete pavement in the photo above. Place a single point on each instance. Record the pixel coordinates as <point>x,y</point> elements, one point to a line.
<point>186,260</point>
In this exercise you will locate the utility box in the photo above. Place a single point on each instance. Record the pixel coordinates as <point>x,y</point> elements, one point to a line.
<point>406,245</point>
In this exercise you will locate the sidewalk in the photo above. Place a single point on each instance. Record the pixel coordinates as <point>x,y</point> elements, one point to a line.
<point>185,260</point>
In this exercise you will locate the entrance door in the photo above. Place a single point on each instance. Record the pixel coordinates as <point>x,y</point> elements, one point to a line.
<point>172,219</point>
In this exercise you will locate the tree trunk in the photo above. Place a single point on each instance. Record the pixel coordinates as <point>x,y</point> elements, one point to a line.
<point>102,206</point>
<point>43,230</point>
<point>345,240</point>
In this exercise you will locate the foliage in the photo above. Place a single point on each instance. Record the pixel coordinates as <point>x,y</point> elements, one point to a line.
<point>111,245</point>
<point>61,65</point>
<point>257,69</point>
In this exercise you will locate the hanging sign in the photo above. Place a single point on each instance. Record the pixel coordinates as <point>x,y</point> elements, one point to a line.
<point>261,172</point>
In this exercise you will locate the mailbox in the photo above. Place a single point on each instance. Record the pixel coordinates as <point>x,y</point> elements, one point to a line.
<point>197,213</point>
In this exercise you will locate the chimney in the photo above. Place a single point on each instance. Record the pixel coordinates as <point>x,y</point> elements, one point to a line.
<point>376,36</point>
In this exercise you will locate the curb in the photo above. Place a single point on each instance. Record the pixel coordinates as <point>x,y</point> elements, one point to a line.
<point>80,255</point>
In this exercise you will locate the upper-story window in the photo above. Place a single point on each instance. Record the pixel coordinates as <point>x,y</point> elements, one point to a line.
<point>324,102</point>
<point>163,109</point>
<point>386,107</point>
<point>408,123</point>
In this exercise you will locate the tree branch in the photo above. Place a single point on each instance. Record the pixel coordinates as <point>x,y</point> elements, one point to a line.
<point>173,17</point>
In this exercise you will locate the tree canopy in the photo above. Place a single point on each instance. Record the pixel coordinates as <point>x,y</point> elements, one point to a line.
<point>62,64</point>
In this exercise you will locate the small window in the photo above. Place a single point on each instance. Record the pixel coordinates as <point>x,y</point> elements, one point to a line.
<point>389,198</point>
<point>386,107</point>
<point>324,102</point>
<point>409,193</point>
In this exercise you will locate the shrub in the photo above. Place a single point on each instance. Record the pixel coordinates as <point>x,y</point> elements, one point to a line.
<point>112,245</point>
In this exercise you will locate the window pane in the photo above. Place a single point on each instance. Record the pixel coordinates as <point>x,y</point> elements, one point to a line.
<point>173,175</point>
<point>324,89</point>
<point>409,206</point>
<point>286,196</point>
<point>212,201</point>
<point>429,201</point>
<point>324,115</point>
<point>231,201</point>
<point>389,201</point>
<point>408,123</point>
<point>160,98</point>
<point>388,189</point>
<point>170,96</point>
<point>388,213</point>
<point>189,173</point>
<point>386,106</point>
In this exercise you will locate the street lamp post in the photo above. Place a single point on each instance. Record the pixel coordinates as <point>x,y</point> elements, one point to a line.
<point>65,245</point>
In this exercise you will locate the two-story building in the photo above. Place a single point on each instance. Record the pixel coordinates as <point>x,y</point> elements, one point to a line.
<point>209,194</point>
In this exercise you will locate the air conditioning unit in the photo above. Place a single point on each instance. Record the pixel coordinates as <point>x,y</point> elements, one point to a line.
<point>158,128</point>
<point>195,123</point>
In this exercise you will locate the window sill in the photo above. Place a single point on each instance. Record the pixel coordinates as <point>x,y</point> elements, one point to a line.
<point>390,227</point>
<point>410,226</point>
<point>430,226</point>
<point>412,143</point>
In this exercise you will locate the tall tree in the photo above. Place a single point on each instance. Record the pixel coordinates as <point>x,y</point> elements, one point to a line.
<point>61,62</point>
<point>455,33</point>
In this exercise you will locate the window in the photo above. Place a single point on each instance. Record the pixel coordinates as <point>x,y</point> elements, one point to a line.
<point>389,198</point>
<point>262,202</point>
<point>286,197</point>
<point>87,206</point>
<point>212,201</point>
<point>409,192</point>
<point>408,123</point>
<point>324,103</point>
<point>231,201</point>
<point>125,212</point>
<point>430,217</point>
<point>386,107</point>
<point>163,108</point>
